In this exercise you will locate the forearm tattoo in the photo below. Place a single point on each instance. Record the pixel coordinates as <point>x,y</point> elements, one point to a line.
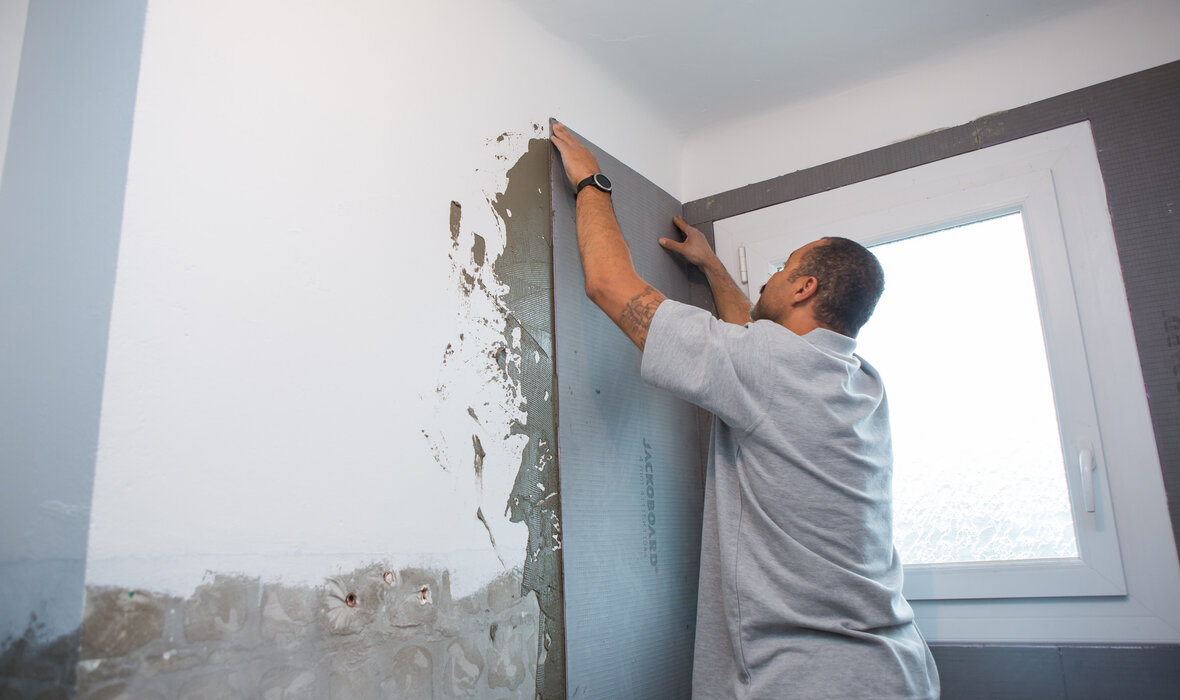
<point>636,317</point>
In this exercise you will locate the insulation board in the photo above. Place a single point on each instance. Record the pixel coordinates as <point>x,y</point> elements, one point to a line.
<point>630,467</point>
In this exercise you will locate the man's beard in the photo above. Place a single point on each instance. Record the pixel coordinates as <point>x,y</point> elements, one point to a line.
<point>757,312</point>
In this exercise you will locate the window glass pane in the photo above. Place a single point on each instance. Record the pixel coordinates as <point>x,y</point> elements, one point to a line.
<point>978,472</point>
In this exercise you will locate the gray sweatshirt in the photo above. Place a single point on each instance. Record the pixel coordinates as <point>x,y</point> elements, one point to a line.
<point>800,585</point>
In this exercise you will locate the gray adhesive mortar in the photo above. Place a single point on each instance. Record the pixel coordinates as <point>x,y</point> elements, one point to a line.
<point>371,633</point>
<point>523,356</point>
<point>526,267</point>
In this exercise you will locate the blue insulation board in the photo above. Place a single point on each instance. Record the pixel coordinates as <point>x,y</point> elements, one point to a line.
<point>630,466</point>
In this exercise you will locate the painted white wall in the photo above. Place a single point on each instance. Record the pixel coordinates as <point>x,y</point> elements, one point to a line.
<point>13,14</point>
<point>1003,71</point>
<point>284,293</point>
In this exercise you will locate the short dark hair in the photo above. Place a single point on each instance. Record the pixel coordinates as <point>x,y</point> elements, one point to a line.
<point>850,283</point>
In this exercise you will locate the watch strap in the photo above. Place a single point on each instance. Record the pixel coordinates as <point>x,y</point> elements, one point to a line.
<point>592,181</point>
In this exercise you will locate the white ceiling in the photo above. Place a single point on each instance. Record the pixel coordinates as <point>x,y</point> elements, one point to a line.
<point>702,62</point>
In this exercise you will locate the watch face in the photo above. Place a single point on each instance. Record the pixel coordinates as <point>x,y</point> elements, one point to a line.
<point>602,182</point>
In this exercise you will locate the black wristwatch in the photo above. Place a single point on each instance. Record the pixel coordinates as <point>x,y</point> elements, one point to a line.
<point>598,180</point>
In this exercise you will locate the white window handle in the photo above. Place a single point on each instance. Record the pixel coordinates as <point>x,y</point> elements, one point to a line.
<point>1086,466</point>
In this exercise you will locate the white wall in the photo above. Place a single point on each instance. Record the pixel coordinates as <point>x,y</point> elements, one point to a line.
<point>1026,64</point>
<point>284,292</point>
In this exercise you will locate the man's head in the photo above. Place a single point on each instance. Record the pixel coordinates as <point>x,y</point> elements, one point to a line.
<point>834,281</point>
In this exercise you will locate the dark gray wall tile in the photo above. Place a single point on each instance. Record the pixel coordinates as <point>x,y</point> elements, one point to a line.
<point>1007,673</point>
<point>1102,673</point>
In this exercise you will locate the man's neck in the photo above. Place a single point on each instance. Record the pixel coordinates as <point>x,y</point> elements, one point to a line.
<point>800,321</point>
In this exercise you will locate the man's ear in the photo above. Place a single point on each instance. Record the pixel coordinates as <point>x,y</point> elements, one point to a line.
<point>805,289</point>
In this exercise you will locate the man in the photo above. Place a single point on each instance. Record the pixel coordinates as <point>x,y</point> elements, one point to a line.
<point>800,586</point>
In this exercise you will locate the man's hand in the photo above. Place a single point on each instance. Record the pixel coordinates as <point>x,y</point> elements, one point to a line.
<point>579,162</point>
<point>694,248</point>
<point>732,304</point>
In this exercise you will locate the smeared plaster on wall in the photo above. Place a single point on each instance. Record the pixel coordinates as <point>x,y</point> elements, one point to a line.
<point>527,266</point>
<point>477,447</point>
<point>491,536</point>
<point>493,415</point>
<point>504,274</point>
<point>240,637</point>
<point>472,383</point>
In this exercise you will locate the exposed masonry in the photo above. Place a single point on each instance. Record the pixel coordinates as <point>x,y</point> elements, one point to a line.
<point>374,633</point>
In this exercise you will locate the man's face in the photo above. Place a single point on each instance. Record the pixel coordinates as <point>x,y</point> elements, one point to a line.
<point>775,295</point>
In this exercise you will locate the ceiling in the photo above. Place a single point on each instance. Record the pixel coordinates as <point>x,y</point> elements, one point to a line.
<point>702,62</point>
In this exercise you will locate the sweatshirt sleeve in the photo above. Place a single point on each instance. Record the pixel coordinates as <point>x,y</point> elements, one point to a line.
<point>721,367</point>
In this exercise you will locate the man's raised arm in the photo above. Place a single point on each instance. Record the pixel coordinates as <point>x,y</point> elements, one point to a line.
<point>611,280</point>
<point>733,305</point>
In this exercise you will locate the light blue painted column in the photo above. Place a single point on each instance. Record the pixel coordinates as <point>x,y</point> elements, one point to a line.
<point>61,210</point>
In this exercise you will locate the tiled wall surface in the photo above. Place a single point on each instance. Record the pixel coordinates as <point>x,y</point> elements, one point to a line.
<point>1058,672</point>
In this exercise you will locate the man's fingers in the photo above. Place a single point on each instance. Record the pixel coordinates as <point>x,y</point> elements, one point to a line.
<point>560,136</point>
<point>674,246</point>
<point>684,226</point>
<point>560,140</point>
<point>578,161</point>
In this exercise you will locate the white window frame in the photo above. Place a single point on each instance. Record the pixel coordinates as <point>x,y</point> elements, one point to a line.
<point>1054,180</point>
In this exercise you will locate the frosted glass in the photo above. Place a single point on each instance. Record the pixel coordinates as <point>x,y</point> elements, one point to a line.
<point>978,469</point>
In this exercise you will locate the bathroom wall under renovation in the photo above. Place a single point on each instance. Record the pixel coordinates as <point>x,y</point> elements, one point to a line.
<point>278,407</point>
<point>318,461</point>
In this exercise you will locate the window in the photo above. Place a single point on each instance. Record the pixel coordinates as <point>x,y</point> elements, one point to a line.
<point>983,552</point>
<point>1006,498</point>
